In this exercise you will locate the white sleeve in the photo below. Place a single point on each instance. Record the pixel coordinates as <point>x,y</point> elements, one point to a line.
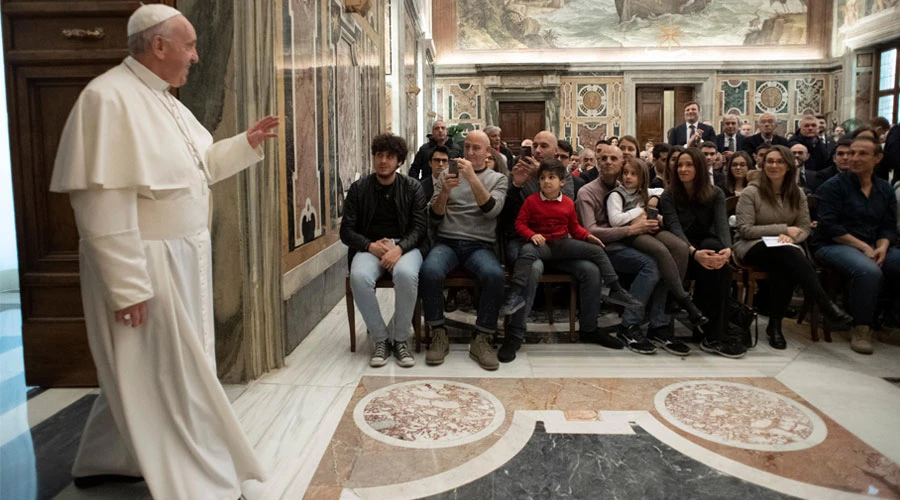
<point>618,217</point>
<point>111,244</point>
<point>229,156</point>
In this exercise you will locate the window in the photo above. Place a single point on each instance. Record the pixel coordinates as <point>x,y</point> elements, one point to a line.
<point>887,88</point>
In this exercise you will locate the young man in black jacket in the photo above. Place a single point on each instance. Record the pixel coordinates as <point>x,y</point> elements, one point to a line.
<point>384,226</point>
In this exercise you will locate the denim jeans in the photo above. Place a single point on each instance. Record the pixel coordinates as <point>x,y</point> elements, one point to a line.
<point>589,284</point>
<point>866,278</point>
<point>646,286</point>
<point>477,257</point>
<point>364,272</point>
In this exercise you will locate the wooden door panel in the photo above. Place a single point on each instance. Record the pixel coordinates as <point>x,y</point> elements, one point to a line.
<point>534,123</point>
<point>650,114</point>
<point>683,95</point>
<point>520,120</point>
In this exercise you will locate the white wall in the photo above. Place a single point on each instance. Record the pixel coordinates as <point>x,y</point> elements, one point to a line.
<point>9,278</point>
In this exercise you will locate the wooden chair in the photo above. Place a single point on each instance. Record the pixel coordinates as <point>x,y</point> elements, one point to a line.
<point>385,282</point>
<point>731,204</point>
<point>550,279</point>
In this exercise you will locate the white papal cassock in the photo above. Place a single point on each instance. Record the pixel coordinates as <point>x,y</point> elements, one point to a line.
<point>137,166</point>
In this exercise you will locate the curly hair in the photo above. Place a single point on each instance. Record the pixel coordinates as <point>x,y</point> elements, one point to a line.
<point>393,145</point>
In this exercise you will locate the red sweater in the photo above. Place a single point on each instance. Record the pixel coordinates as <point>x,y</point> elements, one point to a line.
<point>554,220</point>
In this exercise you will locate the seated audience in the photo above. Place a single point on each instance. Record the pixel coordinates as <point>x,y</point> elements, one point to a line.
<point>840,163</point>
<point>775,206</point>
<point>633,199</point>
<point>646,287</point>
<point>493,133</point>
<point>694,210</point>
<point>438,137</point>
<point>439,161</point>
<point>629,146</point>
<point>730,140</point>
<point>496,162</point>
<point>384,226</point>
<point>857,228</point>
<point>736,171</point>
<point>613,141</point>
<point>808,136</point>
<point>717,177</point>
<point>746,130</point>
<point>465,209</point>
<point>766,135</point>
<point>660,160</point>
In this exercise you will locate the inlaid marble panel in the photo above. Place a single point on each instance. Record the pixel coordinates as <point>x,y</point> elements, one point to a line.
<point>810,95</point>
<point>429,414</point>
<point>772,96</point>
<point>740,415</point>
<point>464,101</point>
<point>592,100</point>
<point>589,133</point>
<point>733,95</point>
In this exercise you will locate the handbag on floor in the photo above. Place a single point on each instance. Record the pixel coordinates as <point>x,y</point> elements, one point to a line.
<point>740,317</point>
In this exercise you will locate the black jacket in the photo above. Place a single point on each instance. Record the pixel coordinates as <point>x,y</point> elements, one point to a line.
<point>359,207</point>
<point>678,135</point>
<point>753,142</point>
<point>818,155</point>
<point>420,168</point>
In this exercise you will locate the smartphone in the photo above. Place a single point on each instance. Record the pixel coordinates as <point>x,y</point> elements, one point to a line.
<point>652,213</point>
<point>453,169</point>
<point>526,151</point>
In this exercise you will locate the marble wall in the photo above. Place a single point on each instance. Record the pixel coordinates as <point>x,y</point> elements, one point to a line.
<point>591,107</point>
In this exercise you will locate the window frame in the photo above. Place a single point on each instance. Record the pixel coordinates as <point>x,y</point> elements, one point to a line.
<point>876,84</point>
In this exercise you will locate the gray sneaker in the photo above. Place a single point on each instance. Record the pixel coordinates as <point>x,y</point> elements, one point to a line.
<point>439,348</point>
<point>481,351</point>
<point>404,357</point>
<point>380,356</point>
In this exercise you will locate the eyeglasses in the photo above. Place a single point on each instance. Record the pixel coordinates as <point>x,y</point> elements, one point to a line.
<point>773,161</point>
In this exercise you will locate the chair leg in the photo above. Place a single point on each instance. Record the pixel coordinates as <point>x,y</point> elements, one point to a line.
<point>351,316</point>
<point>573,300</point>
<point>548,302</point>
<point>751,292</point>
<point>813,322</point>
<point>417,324</point>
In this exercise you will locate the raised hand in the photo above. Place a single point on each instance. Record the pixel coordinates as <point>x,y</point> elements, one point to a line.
<point>262,130</point>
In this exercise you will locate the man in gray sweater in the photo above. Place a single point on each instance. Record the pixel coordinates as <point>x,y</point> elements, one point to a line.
<point>465,207</point>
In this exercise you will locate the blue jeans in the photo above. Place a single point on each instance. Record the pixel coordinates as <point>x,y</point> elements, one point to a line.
<point>589,284</point>
<point>646,286</point>
<point>477,257</point>
<point>866,278</point>
<point>364,272</point>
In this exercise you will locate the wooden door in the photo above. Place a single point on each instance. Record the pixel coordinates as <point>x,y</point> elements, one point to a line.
<point>649,118</point>
<point>52,50</point>
<point>520,120</point>
<point>683,95</point>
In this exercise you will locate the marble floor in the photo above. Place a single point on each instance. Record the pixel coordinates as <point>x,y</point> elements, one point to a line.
<point>563,421</point>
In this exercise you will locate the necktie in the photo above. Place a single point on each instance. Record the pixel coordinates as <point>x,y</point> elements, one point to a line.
<point>693,131</point>
<point>730,145</point>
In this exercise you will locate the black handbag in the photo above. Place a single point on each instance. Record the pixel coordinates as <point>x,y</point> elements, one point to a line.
<point>740,317</point>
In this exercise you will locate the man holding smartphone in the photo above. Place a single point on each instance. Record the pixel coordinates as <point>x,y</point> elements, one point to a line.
<point>465,207</point>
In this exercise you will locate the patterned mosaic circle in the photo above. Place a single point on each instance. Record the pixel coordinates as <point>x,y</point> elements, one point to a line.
<point>740,415</point>
<point>429,414</point>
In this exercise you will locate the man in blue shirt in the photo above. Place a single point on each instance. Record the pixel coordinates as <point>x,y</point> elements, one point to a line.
<point>858,227</point>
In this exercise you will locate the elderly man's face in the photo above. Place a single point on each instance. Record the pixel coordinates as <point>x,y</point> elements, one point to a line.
<point>439,131</point>
<point>730,125</point>
<point>477,148</point>
<point>610,161</point>
<point>544,146</point>
<point>691,113</point>
<point>766,124</point>
<point>588,159</point>
<point>179,52</point>
<point>801,154</point>
<point>495,139</point>
<point>809,128</point>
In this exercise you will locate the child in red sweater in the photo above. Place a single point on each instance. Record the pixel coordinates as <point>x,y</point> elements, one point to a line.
<point>547,219</point>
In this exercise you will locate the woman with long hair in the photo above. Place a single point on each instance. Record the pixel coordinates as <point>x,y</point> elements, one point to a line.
<point>736,170</point>
<point>775,206</point>
<point>694,210</point>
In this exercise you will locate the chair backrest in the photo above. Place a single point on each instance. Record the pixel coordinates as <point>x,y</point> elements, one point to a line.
<point>731,204</point>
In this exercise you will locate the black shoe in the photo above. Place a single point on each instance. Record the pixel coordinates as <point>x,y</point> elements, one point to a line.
<point>621,297</point>
<point>602,338</point>
<point>635,341</point>
<point>695,315</point>
<point>84,482</point>
<point>663,337</point>
<point>836,317</point>
<point>776,337</point>
<point>732,350</point>
<point>507,351</point>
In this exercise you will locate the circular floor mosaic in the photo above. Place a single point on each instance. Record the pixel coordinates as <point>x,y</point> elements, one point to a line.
<point>429,414</point>
<point>740,415</point>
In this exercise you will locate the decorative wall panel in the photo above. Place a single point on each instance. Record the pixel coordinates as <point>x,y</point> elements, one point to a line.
<point>591,108</point>
<point>460,101</point>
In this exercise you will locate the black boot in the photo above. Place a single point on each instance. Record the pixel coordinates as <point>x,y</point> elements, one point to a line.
<point>837,317</point>
<point>695,315</point>
<point>776,337</point>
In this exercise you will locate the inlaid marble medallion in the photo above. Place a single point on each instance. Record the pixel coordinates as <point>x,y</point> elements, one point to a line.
<point>740,415</point>
<point>429,414</point>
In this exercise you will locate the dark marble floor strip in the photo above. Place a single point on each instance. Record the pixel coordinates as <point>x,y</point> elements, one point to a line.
<point>584,466</point>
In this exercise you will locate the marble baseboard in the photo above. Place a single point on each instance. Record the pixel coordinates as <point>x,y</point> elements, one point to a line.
<point>306,308</point>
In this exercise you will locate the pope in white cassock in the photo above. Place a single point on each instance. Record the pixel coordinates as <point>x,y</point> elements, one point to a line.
<point>137,164</point>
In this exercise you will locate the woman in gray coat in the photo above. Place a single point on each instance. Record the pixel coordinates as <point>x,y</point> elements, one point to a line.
<point>775,207</point>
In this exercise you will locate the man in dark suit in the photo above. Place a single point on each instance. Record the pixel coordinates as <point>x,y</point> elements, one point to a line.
<point>730,140</point>
<point>808,135</point>
<point>766,135</point>
<point>891,160</point>
<point>691,132</point>
<point>438,162</point>
<point>840,163</point>
<point>823,134</point>
<point>709,151</point>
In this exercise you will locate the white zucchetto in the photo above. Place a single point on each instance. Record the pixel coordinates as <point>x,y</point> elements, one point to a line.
<point>147,16</point>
